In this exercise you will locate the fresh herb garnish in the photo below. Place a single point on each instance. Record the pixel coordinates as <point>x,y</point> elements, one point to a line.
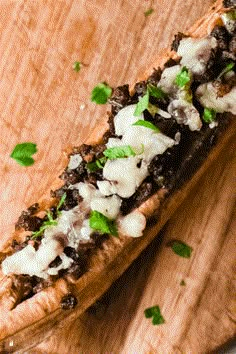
<point>118,152</point>
<point>77,66</point>
<point>51,221</point>
<point>155,91</point>
<point>209,115</point>
<point>227,68</point>
<point>148,12</point>
<point>183,77</point>
<point>101,93</point>
<point>142,104</point>
<point>182,283</point>
<point>22,153</point>
<point>101,223</point>
<point>96,165</point>
<point>154,313</point>
<point>147,124</point>
<point>180,248</point>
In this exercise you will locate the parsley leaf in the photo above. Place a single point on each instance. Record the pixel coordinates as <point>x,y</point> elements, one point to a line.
<point>154,313</point>
<point>181,248</point>
<point>22,153</point>
<point>101,223</point>
<point>101,93</point>
<point>96,165</point>
<point>155,91</point>
<point>119,152</point>
<point>147,124</point>
<point>61,202</point>
<point>183,77</point>
<point>209,115</point>
<point>227,68</point>
<point>142,104</point>
<point>148,12</point>
<point>76,66</point>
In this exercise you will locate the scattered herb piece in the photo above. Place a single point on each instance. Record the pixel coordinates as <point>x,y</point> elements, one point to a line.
<point>61,202</point>
<point>96,165</point>
<point>77,66</point>
<point>180,248</point>
<point>227,68</point>
<point>22,153</point>
<point>182,283</point>
<point>148,12</point>
<point>154,313</point>
<point>119,152</point>
<point>101,93</point>
<point>101,223</point>
<point>146,124</point>
<point>142,104</point>
<point>209,115</point>
<point>183,77</point>
<point>155,91</point>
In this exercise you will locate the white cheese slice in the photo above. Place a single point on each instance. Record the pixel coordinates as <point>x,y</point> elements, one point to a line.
<point>132,224</point>
<point>109,206</point>
<point>195,53</point>
<point>207,96</point>
<point>75,161</point>
<point>125,118</point>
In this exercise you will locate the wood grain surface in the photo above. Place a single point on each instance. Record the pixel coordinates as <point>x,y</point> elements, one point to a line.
<point>44,101</point>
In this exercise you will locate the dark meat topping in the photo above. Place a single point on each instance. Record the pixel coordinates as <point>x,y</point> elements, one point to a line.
<point>68,302</point>
<point>229,3</point>
<point>222,36</point>
<point>120,98</point>
<point>177,39</point>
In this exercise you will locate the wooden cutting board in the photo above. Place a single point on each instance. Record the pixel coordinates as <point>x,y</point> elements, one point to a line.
<point>44,101</point>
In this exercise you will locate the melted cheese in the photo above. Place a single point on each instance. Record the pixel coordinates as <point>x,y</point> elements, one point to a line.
<point>75,161</point>
<point>132,224</point>
<point>207,96</point>
<point>168,78</point>
<point>125,118</point>
<point>196,52</point>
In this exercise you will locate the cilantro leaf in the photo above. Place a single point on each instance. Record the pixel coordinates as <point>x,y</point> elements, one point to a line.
<point>101,223</point>
<point>148,12</point>
<point>183,77</point>
<point>154,313</point>
<point>209,115</point>
<point>155,91</point>
<point>119,152</point>
<point>101,93</point>
<point>181,248</point>
<point>22,153</point>
<point>147,124</point>
<point>142,104</point>
<point>76,66</point>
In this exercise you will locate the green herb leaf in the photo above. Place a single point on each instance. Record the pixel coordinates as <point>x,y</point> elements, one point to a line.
<point>181,248</point>
<point>146,124</point>
<point>209,115</point>
<point>22,153</point>
<point>101,93</point>
<point>183,77</point>
<point>96,165</point>
<point>142,104</point>
<point>154,313</point>
<point>228,68</point>
<point>119,152</point>
<point>101,223</point>
<point>155,91</point>
<point>148,12</point>
<point>77,66</point>
<point>182,283</point>
<point>61,202</point>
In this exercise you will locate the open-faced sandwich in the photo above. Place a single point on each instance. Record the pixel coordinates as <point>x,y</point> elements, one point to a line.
<point>118,192</point>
